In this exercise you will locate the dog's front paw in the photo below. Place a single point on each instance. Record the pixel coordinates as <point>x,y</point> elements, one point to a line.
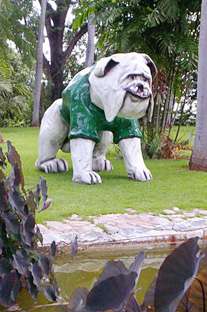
<point>102,164</point>
<point>54,166</point>
<point>140,174</point>
<point>88,178</point>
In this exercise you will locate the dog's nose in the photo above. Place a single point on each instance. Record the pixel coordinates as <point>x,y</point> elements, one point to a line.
<point>140,86</point>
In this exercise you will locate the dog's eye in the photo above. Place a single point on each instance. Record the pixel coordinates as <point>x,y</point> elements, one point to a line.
<point>145,79</point>
<point>132,77</point>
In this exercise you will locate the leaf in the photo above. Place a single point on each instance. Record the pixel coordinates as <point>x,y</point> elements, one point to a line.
<point>14,160</point>
<point>5,266</point>
<point>132,304</point>
<point>39,235</point>
<point>49,293</point>
<point>1,246</point>
<point>44,263</point>
<point>74,246</point>
<point>16,200</point>
<point>175,276</point>
<point>43,188</point>
<point>46,204</point>
<point>36,193</point>
<point>136,266</point>
<point>37,274</point>
<point>12,222</point>
<point>20,262</point>
<point>53,249</point>
<point>78,298</point>
<point>111,293</point>
<point>32,287</point>
<point>112,268</point>
<point>3,196</point>
<point>28,229</point>
<point>31,203</point>
<point>6,285</point>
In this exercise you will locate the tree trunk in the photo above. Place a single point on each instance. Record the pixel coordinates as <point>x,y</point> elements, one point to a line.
<point>199,156</point>
<point>90,45</point>
<point>55,26</point>
<point>39,66</point>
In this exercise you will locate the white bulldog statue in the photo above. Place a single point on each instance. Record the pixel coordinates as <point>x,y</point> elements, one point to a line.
<point>101,103</point>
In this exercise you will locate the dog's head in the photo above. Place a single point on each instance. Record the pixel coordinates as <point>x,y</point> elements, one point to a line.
<point>122,85</point>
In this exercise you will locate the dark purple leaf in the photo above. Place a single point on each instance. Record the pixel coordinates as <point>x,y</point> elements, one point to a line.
<point>78,299</point>
<point>46,204</point>
<point>136,266</point>
<point>111,293</point>
<point>16,200</point>
<point>43,188</point>
<point>16,288</point>
<point>32,287</point>
<point>14,159</point>
<point>5,266</point>
<point>30,202</point>
<point>1,246</point>
<point>112,268</point>
<point>175,276</point>
<point>49,293</point>
<point>21,263</point>
<point>6,285</point>
<point>39,235</point>
<point>37,194</point>
<point>56,288</point>
<point>28,229</point>
<point>44,263</point>
<point>37,274</point>
<point>12,222</point>
<point>53,249</point>
<point>74,246</point>
<point>131,304</point>
<point>3,196</point>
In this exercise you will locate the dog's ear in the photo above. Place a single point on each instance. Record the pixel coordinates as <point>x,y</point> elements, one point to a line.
<point>153,69</point>
<point>104,66</point>
<point>151,64</point>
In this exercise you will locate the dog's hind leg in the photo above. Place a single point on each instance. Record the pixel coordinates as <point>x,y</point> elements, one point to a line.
<point>100,163</point>
<point>53,132</point>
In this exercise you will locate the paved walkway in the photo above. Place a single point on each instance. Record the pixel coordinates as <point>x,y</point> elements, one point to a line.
<point>170,227</point>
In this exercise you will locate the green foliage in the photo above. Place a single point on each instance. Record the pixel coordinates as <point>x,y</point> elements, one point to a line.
<point>21,265</point>
<point>16,85</point>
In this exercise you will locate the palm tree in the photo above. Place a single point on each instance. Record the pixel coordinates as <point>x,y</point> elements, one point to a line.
<point>199,156</point>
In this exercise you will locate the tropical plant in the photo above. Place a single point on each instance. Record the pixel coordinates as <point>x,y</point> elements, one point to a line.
<point>21,264</point>
<point>175,288</point>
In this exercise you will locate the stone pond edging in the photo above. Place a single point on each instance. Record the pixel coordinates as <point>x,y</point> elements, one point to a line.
<point>130,228</point>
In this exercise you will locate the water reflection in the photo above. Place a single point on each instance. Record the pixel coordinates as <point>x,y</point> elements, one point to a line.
<point>84,268</point>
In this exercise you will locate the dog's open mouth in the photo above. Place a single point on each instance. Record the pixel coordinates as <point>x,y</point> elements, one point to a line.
<point>141,93</point>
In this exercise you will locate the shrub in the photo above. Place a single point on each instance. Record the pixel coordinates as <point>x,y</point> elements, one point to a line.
<point>21,264</point>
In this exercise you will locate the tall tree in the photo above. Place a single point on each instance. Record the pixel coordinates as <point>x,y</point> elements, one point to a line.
<point>62,40</point>
<point>39,66</point>
<point>90,44</point>
<point>199,156</point>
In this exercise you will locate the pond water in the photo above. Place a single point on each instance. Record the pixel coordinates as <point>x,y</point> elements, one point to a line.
<point>85,267</point>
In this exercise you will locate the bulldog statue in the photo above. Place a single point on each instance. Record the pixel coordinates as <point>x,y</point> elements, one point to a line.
<point>101,103</point>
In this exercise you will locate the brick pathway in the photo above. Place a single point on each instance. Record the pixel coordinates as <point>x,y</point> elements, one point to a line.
<point>170,227</point>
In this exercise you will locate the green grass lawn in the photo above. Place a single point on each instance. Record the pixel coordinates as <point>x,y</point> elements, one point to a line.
<point>173,184</point>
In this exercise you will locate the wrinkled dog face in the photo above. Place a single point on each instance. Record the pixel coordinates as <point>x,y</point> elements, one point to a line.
<point>121,85</point>
<point>138,93</point>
